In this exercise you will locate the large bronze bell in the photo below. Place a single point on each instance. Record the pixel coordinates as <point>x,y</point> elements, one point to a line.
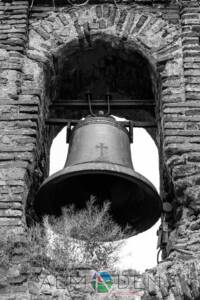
<point>99,163</point>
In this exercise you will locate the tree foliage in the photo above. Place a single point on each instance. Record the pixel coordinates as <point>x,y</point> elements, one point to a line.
<point>88,237</point>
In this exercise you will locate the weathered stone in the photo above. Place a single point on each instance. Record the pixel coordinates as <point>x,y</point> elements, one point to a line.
<point>10,222</point>
<point>34,288</point>
<point>185,170</point>
<point>16,280</point>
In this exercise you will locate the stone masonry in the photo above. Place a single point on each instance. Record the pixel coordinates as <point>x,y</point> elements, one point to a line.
<point>35,43</point>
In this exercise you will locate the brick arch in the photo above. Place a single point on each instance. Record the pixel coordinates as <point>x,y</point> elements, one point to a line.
<point>63,33</point>
<point>150,30</point>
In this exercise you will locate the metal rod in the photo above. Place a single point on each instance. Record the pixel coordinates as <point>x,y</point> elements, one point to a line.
<point>108,98</point>
<point>143,124</point>
<point>89,99</point>
<point>100,103</point>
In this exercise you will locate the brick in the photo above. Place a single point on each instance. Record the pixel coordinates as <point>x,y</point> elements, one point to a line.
<point>99,12</point>
<point>122,18</point>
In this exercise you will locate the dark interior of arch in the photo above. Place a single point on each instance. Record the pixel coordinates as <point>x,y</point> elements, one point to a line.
<point>101,68</point>
<point>108,65</point>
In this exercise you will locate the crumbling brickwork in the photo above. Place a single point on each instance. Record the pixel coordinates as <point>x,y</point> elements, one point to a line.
<point>36,43</point>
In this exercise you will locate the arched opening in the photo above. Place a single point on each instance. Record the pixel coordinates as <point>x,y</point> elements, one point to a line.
<point>107,65</point>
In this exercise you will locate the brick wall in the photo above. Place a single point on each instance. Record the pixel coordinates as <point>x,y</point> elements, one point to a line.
<point>16,133</point>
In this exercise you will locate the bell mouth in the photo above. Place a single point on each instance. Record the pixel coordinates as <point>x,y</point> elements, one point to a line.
<point>134,200</point>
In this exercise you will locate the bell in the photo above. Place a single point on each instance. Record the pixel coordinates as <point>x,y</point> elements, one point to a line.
<point>99,163</point>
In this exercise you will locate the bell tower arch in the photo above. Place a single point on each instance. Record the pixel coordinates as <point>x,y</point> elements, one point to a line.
<point>68,57</point>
